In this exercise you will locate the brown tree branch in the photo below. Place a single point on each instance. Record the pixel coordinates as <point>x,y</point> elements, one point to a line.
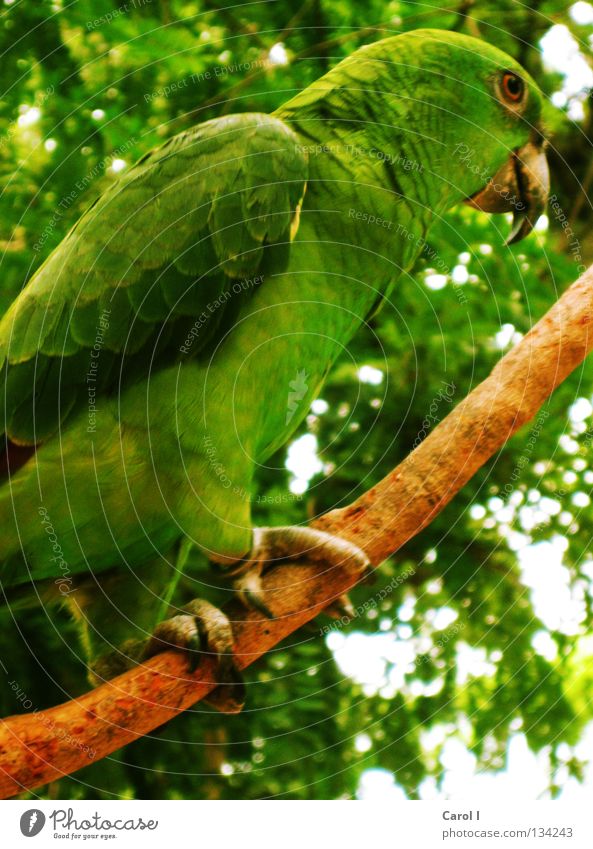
<point>41,747</point>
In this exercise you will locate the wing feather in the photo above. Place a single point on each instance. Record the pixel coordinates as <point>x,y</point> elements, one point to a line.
<point>160,247</point>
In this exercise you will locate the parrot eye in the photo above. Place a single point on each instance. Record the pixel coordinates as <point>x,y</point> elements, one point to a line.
<point>513,87</point>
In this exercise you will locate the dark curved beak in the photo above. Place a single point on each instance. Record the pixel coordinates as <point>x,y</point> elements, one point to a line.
<point>521,186</point>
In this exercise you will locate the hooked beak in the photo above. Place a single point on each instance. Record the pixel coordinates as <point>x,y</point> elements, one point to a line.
<point>521,186</point>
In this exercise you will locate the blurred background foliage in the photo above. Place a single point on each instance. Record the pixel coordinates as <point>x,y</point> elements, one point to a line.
<point>486,641</point>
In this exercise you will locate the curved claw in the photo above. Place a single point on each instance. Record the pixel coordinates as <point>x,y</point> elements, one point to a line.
<point>340,607</point>
<point>249,589</point>
<point>194,647</point>
<point>256,601</point>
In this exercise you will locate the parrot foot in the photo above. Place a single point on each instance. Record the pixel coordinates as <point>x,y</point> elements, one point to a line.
<point>293,542</point>
<point>203,629</point>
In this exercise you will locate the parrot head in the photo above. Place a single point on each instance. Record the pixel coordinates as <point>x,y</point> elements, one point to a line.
<point>494,142</point>
<point>521,185</point>
<point>468,114</point>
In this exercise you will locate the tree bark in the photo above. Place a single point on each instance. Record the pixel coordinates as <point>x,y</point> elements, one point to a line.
<point>39,747</point>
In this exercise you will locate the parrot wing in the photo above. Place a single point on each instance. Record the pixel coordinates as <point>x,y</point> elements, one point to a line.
<point>166,245</point>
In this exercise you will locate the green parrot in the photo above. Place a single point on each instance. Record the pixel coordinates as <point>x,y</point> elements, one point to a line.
<point>178,334</point>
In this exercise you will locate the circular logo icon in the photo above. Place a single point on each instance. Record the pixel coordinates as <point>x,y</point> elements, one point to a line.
<point>32,822</point>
